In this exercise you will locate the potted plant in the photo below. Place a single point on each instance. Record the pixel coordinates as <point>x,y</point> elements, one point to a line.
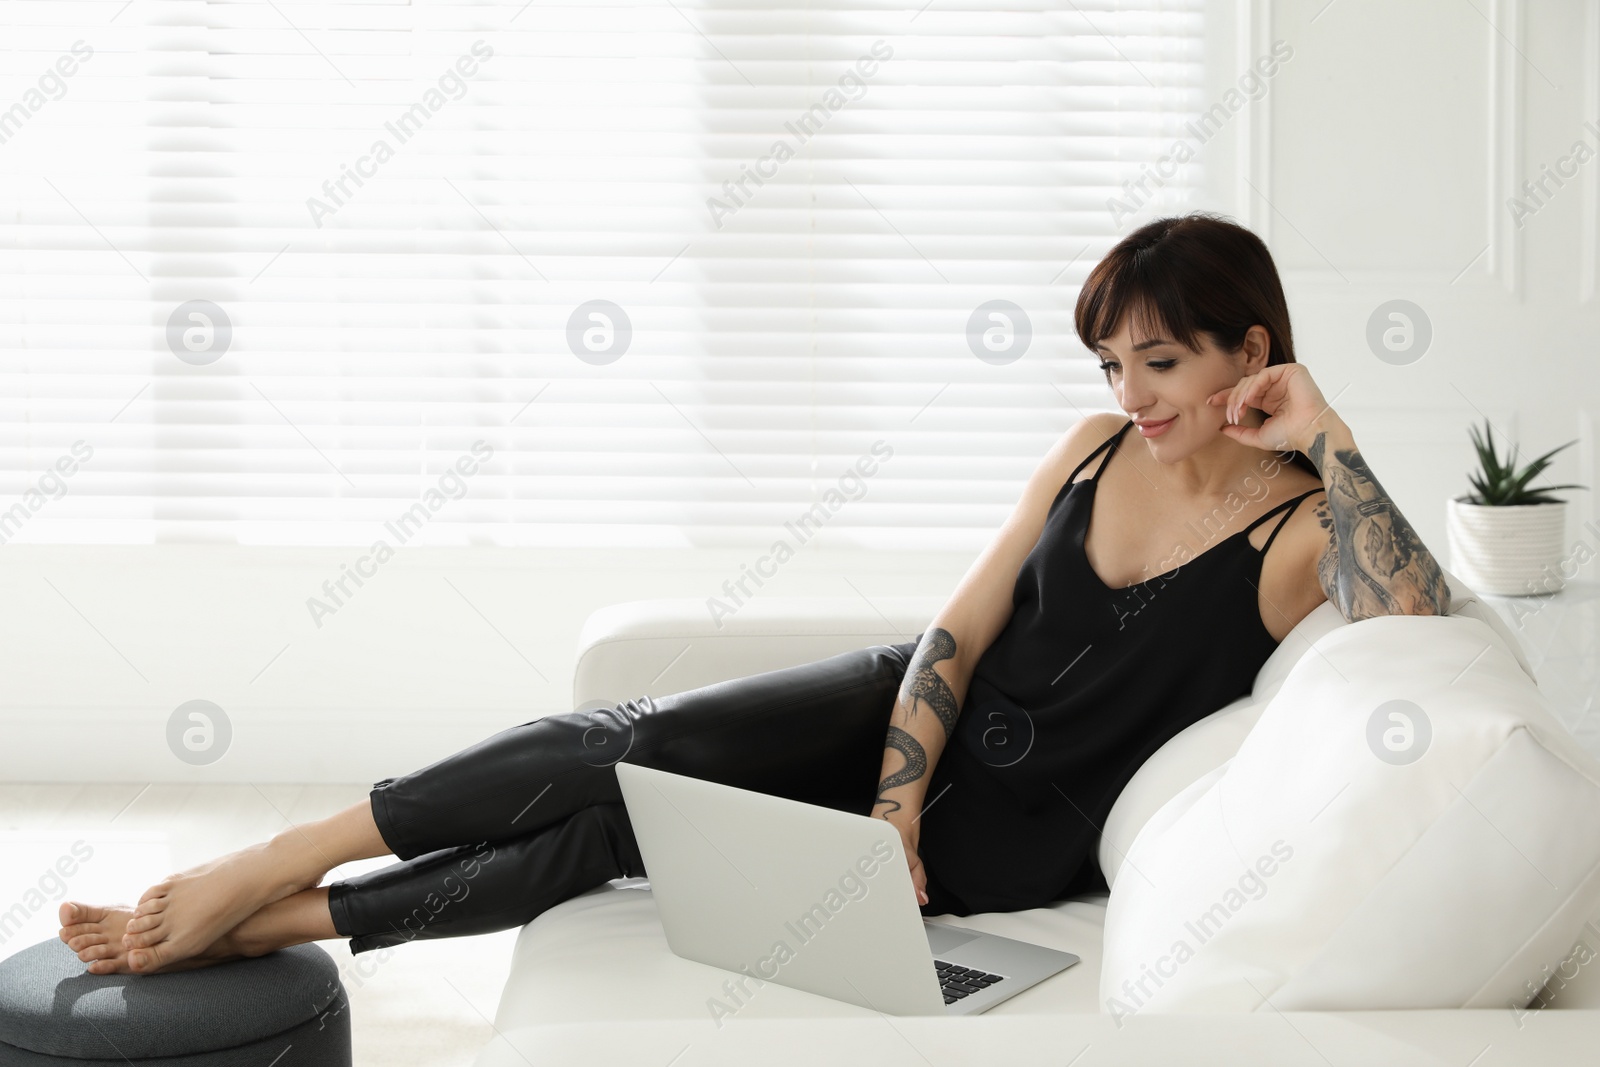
<point>1505,539</point>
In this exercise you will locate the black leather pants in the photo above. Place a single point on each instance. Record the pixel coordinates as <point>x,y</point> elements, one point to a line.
<point>497,833</point>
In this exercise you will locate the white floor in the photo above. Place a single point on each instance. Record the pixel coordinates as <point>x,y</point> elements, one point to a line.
<point>429,1002</point>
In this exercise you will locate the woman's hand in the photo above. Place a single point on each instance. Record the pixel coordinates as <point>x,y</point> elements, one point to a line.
<point>919,874</point>
<point>1288,396</point>
<point>909,836</point>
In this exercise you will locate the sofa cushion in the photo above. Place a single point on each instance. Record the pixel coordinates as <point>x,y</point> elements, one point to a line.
<point>1407,825</point>
<point>593,982</point>
<point>601,957</point>
<point>657,647</point>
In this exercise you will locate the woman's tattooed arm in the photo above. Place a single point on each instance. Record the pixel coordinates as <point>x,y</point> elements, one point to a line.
<point>921,685</point>
<point>1375,564</point>
<point>916,765</point>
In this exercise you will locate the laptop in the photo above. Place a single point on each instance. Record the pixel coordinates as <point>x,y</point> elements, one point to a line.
<point>813,898</point>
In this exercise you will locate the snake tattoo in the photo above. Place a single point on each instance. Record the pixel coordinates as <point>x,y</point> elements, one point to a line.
<point>922,684</point>
<point>1375,564</point>
<point>916,765</point>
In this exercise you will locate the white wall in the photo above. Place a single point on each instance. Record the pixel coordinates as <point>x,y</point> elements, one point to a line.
<point>1378,165</point>
<point>1391,163</point>
<point>443,647</point>
<point>1383,163</point>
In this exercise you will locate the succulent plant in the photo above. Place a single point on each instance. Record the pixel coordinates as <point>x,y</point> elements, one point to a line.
<point>1502,485</point>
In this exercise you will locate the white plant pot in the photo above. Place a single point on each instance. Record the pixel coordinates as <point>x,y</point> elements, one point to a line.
<point>1507,551</point>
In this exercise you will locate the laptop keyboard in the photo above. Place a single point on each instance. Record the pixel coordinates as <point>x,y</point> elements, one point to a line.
<point>956,981</point>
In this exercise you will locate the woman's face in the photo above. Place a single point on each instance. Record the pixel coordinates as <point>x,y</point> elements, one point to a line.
<point>1164,380</point>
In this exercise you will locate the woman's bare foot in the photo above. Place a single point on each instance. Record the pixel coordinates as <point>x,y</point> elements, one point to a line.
<point>95,934</point>
<point>184,914</point>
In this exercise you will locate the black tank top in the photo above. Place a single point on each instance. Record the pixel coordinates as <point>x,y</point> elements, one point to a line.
<point>1082,686</point>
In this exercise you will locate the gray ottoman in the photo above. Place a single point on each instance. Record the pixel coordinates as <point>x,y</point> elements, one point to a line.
<point>284,1009</point>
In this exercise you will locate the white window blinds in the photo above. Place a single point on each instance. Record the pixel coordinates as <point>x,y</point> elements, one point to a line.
<point>666,274</point>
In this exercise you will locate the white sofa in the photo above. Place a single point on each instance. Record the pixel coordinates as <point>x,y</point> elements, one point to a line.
<point>594,982</point>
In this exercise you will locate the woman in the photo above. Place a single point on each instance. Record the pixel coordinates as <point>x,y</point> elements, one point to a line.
<point>1163,617</point>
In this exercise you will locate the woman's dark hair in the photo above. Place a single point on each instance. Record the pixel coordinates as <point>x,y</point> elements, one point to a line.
<point>1185,275</point>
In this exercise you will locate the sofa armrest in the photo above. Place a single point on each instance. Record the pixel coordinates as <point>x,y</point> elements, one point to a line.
<point>659,647</point>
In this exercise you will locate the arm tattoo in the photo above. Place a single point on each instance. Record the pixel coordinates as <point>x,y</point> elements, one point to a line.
<point>921,683</point>
<point>1375,564</point>
<point>916,766</point>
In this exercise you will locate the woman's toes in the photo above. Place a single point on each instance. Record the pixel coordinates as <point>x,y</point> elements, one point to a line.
<point>83,941</point>
<point>97,952</point>
<point>153,906</point>
<point>140,923</point>
<point>72,913</point>
<point>147,959</point>
<point>152,901</point>
<point>160,889</point>
<point>75,911</point>
<point>67,933</point>
<point>142,939</point>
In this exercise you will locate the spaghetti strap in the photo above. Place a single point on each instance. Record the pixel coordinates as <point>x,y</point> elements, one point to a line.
<point>1108,445</point>
<point>1291,505</point>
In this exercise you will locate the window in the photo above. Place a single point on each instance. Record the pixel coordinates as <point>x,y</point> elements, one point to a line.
<point>665,274</point>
